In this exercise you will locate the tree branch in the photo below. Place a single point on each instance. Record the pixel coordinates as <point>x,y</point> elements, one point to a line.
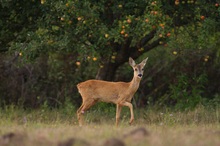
<point>147,38</point>
<point>152,45</point>
<point>147,48</point>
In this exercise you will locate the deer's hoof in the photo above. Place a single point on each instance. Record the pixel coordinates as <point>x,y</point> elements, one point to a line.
<point>131,121</point>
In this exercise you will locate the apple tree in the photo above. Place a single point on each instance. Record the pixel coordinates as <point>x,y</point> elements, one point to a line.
<point>113,31</point>
<point>69,35</point>
<point>105,30</point>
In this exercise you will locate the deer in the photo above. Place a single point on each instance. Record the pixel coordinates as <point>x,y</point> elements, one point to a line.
<point>119,93</point>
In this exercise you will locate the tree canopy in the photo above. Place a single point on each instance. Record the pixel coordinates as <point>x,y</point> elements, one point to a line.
<point>73,40</point>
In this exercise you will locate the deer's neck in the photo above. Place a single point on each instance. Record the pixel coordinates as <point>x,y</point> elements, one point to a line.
<point>134,84</point>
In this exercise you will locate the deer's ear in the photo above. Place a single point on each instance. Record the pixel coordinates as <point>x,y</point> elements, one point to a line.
<point>144,62</point>
<point>131,62</point>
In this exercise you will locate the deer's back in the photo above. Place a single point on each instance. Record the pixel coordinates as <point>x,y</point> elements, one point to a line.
<point>102,90</point>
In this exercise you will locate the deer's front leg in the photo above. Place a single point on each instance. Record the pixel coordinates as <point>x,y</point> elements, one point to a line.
<point>128,104</point>
<point>118,112</point>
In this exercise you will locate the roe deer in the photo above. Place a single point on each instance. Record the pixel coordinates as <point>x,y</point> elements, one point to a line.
<point>119,93</point>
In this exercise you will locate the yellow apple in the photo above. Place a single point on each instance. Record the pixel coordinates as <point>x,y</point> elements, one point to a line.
<point>106,35</point>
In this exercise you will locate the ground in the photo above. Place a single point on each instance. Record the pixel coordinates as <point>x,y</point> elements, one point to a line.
<point>59,128</point>
<point>92,134</point>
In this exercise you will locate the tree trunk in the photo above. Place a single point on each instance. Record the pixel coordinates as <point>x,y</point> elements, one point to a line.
<point>107,72</point>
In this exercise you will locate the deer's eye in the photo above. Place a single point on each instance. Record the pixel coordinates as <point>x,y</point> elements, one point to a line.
<point>142,69</point>
<point>135,69</point>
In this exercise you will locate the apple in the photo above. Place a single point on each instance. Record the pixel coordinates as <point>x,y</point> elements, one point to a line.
<point>216,4</point>
<point>62,18</point>
<point>120,6</point>
<point>153,3</point>
<point>78,63</point>
<point>162,26</point>
<point>177,2</point>
<point>202,17</point>
<point>174,53</point>
<point>168,34</point>
<point>147,20</point>
<point>129,21</point>
<point>141,49</point>
<point>106,35</point>
<point>42,2</point>
<point>122,32</point>
<point>126,35</point>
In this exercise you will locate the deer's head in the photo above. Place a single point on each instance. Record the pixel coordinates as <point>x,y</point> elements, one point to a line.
<point>138,68</point>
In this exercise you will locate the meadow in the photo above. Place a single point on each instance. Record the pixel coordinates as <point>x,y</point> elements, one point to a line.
<point>59,127</point>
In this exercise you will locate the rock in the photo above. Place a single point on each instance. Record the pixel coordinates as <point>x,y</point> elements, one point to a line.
<point>8,136</point>
<point>137,134</point>
<point>114,142</point>
<point>74,142</point>
<point>12,139</point>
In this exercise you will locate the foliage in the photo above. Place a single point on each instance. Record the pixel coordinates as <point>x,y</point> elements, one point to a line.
<point>48,46</point>
<point>187,92</point>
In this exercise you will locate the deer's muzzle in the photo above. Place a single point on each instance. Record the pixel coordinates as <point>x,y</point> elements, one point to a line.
<point>140,75</point>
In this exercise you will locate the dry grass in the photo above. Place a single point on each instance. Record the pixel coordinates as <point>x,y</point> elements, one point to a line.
<point>42,128</point>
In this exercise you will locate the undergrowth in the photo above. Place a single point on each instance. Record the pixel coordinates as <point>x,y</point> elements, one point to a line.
<point>100,115</point>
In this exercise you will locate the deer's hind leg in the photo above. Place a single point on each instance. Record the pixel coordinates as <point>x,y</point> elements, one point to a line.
<point>79,114</point>
<point>85,106</point>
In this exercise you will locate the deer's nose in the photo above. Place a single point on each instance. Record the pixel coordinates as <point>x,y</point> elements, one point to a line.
<point>140,75</point>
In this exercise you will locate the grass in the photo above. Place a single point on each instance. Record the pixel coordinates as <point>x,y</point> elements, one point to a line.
<point>165,128</point>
